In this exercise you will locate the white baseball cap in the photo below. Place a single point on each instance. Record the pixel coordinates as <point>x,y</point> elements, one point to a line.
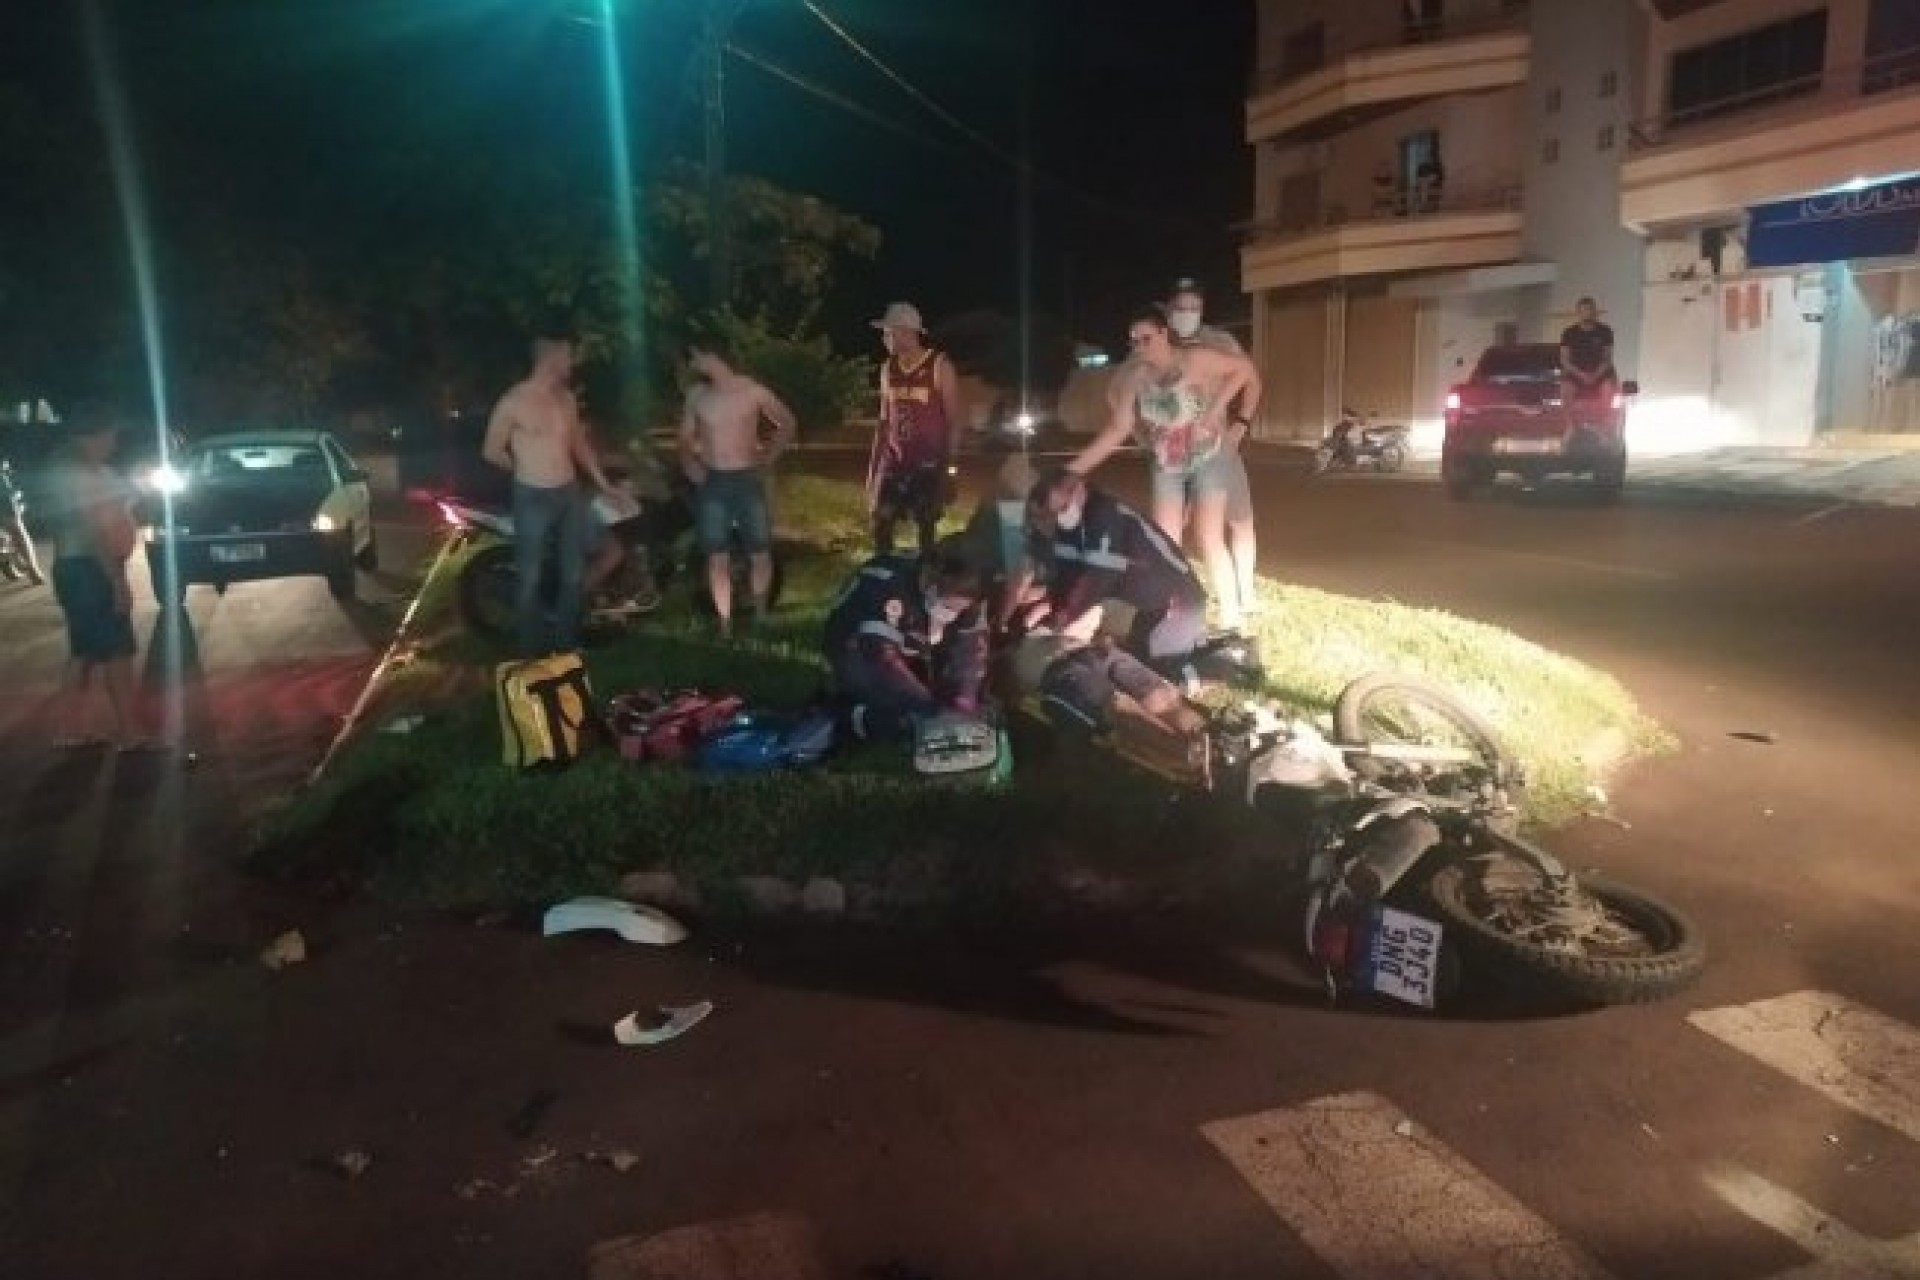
<point>901,315</point>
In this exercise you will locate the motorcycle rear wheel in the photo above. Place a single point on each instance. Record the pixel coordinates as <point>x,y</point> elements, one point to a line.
<point>1392,457</point>
<point>1630,948</point>
<point>1322,461</point>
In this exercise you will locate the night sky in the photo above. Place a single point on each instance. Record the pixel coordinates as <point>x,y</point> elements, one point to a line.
<point>1132,117</point>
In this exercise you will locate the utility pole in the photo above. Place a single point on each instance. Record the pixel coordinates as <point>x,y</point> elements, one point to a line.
<point>717,22</point>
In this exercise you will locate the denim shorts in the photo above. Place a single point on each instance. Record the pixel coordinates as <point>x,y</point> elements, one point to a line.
<point>96,629</point>
<point>1224,473</point>
<point>733,500</point>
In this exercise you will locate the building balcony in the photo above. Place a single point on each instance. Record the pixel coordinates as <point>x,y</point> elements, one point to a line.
<point>1720,158</point>
<point>1462,231</point>
<point>1469,57</point>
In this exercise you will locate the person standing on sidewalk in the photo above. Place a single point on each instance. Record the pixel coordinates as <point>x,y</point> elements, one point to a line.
<point>91,514</point>
<point>724,455</point>
<point>918,438</point>
<point>1186,317</point>
<point>535,433</point>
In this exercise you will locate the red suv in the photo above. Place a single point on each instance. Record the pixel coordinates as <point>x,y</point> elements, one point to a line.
<point>1511,416</point>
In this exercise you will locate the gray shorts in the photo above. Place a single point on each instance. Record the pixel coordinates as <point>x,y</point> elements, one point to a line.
<point>1224,473</point>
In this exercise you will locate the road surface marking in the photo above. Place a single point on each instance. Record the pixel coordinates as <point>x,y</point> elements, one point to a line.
<point>1560,562</point>
<point>1839,1253</point>
<point>1816,516</point>
<point>1861,1059</point>
<point>1381,1199</point>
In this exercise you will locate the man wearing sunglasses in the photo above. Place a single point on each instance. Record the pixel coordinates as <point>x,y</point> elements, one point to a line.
<point>1177,398</point>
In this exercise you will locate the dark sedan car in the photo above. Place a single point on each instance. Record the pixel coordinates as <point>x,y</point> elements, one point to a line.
<point>247,506</point>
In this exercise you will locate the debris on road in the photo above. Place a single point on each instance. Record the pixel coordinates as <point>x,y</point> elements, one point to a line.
<point>290,948</point>
<point>633,922</point>
<point>620,1160</point>
<point>673,1023</point>
<point>1762,736</point>
<point>351,1163</point>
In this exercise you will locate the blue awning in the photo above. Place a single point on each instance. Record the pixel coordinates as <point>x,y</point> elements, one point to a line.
<point>1872,222</point>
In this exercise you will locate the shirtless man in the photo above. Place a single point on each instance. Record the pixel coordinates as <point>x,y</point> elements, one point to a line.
<point>535,433</point>
<point>1178,398</point>
<point>721,448</point>
<point>1186,317</point>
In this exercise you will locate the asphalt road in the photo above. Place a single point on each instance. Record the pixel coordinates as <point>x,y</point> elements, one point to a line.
<point>1130,1102</point>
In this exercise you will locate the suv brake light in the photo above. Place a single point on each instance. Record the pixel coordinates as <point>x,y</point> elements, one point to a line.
<point>1453,402</point>
<point>1619,401</point>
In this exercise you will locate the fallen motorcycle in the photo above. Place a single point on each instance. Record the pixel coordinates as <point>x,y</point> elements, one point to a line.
<point>1413,880</point>
<point>1414,867</point>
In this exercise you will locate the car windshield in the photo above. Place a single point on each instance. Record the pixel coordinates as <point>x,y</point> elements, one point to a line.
<point>1518,364</point>
<point>260,463</point>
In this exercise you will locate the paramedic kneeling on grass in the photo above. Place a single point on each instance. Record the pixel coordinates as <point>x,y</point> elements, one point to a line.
<point>1091,547</point>
<point>906,637</point>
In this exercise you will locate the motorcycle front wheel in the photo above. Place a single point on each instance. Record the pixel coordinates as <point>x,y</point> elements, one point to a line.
<point>1392,457</point>
<point>1591,942</point>
<point>488,591</point>
<point>1387,709</point>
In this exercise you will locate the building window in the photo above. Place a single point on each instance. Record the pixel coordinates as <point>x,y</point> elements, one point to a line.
<point>1609,84</point>
<point>1553,101</point>
<point>1550,151</point>
<point>1764,65</point>
<point>1893,46</point>
<point>1606,138</point>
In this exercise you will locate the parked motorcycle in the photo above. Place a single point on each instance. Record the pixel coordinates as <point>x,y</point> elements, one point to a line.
<point>16,556</point>
<point>1351,445</point>
<point>1414,875</point>
<point>659,545</point>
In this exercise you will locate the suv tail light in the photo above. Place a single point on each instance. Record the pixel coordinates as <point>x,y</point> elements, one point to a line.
<point>1619,401</point>
<point>1453,401</point>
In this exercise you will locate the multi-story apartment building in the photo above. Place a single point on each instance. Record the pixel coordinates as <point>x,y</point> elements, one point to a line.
<point>1734,180</point>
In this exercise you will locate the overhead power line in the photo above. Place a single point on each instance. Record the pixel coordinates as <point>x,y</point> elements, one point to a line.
<point>1018,163</point>
<point>802,83</point>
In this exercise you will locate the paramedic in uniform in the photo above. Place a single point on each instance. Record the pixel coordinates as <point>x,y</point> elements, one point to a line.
<point>918,436</point>
<point>1093,548</point>
<point>906,637</point>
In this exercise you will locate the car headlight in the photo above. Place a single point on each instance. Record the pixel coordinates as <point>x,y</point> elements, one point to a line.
<point>164,479</point>
<point>324,524</point>
<point>1024,421</point>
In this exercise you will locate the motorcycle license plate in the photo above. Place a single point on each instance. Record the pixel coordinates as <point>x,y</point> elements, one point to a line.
<point>1527,446</point>
<point>1401,957</point>
<point>238,553</point>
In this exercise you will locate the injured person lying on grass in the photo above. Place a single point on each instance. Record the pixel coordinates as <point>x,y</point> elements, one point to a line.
<point>1085,684</point>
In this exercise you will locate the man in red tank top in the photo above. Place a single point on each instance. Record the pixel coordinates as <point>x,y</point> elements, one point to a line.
<point>918,437</point>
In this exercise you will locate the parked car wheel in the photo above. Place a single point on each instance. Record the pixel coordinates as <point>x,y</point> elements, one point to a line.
<point>368,557</point>
<point>1462,476</point>
<point>1610,477</point>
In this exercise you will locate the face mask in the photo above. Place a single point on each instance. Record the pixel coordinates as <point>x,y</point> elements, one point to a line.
<point>886,340</point>
<point>1183,322</point>
<point>1070,518</point>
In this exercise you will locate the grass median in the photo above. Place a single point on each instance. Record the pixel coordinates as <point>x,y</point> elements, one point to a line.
<point>431,816</point>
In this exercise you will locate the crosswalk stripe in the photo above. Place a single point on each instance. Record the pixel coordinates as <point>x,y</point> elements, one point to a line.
<point>1376,1197</point>
<point>1859,1058</point>
<point>1839,1253</point>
